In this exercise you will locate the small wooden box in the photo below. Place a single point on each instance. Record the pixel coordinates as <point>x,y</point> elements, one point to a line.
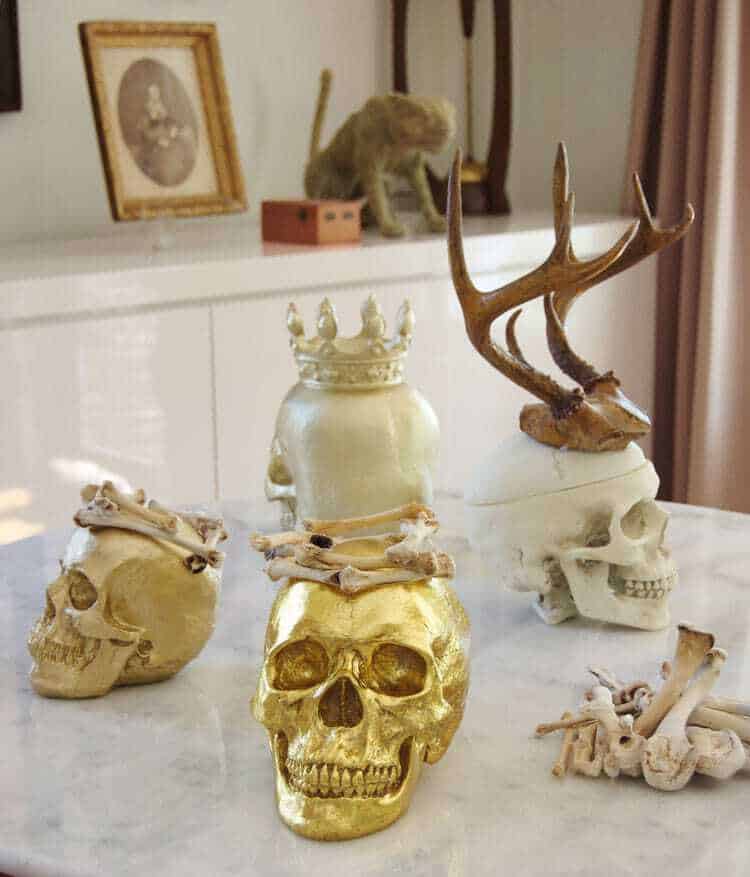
<point>311,222</point>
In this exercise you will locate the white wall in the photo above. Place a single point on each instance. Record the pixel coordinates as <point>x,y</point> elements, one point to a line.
<point>574,62</point>
<point>573,68</point>
<point>51,180</point>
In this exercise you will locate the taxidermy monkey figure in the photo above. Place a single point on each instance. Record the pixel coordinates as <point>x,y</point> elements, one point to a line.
<point>388,136</point>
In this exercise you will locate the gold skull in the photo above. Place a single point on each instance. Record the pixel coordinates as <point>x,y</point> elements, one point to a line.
<point>124,610</point>
<point>355,692</point>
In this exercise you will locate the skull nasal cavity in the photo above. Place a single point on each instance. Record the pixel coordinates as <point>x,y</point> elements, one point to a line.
<point>340,706</point>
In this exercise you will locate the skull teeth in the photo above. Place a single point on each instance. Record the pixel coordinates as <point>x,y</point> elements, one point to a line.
<point>333,781</point>
<point>44,649</point>
<point>653,589</point>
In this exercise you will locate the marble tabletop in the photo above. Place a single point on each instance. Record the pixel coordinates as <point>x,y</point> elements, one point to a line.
<point>176,778</point>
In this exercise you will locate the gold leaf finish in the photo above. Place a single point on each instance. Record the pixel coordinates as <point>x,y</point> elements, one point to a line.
<point>357,690</point>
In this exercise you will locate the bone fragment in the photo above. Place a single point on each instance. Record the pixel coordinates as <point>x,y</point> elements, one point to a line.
<point>329,557</point>
<point>417,537</point>
<point>621,747</point>
<point>434,563</point>
<point>416,550</point>
<point>692,647</point>
<point>89,492</point>
<point>92,516</point>
<point>353,580</point>
<point>396,553</point>
<point>410,511</point>
<point>719,720</point>
<point>588,757</point>
<point>720,753</point>
<point>563,724</point>
<point>282,567</point>
<point>669,758</point>
<point>164,521</point>
<point>195,563</point>
<point>213,537</point>
<point>560,767</point>
<point>728,705</point>
<point>606,678</point>
<point>211,530</point>
<point>626,697</point>
<point>348,579</point>
<point>269,541</point>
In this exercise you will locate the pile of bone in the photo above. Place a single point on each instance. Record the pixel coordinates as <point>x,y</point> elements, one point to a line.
<point>319,553</point>
<point>105,506</point>
<point>665,736</point>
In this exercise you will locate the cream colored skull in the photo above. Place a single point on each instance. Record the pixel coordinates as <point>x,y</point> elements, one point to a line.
<point>124,610</point>
<point>355,692</point>
<point>344,453</point>
<point>583,530</point>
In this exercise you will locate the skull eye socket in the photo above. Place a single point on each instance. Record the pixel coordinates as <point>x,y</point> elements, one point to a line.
<point>397,670</point>
<point>82,593</point>
<point>301,664</point>
<point>641,518</point>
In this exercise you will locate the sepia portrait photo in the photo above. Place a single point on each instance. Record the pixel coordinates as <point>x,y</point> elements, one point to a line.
<point>10,64</point>
<point>163,119</point>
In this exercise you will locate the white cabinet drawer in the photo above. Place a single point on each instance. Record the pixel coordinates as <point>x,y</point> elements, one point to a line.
<point>127,396</point>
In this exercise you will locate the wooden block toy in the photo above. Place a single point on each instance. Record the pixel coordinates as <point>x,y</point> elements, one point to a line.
<point>311,222</point>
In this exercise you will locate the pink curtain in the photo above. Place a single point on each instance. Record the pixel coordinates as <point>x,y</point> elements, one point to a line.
<point>690,139</point>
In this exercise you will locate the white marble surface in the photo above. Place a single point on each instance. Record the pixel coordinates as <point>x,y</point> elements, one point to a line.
<point>175,778</point>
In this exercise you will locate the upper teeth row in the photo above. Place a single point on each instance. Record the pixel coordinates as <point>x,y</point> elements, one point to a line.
<point>60,653</point>
<point>334,781</point>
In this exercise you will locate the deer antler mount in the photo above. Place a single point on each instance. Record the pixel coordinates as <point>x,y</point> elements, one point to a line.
<point>596,415</point>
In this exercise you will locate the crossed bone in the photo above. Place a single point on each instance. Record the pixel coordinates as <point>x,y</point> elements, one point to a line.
<point>108,507</point>
<point>317,554</point>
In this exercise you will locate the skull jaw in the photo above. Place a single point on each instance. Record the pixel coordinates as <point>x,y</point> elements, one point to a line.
<point>92,677</point>
<point>343,818</point>
<point>142,674</point>
<point>595,598</point>
<point>556,606</point>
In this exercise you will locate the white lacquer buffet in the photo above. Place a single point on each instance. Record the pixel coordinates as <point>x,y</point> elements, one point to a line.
<point>170,365</point>
<point>175,778</point>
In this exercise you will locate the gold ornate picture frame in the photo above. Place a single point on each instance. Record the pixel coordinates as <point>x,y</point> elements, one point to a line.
<point>163,118</point>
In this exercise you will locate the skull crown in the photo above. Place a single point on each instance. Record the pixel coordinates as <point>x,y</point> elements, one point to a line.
<point>135,599</point>
<point>364,676</point>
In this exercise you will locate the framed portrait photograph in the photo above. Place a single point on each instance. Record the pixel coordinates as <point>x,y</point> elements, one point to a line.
<point>10,62</point>
<point>163,118</point>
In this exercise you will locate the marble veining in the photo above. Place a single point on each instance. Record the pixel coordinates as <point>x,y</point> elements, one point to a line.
<point>175,778</point>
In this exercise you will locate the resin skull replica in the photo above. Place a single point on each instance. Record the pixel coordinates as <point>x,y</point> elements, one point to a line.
<point>135,599</point>
<point>356,691</point>
<point>582,530</point>
<point>351,436</point>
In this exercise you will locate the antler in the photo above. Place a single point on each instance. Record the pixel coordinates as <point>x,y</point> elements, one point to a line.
<point>648,240</point>
<point>560,270</point>
<point>601,417</point>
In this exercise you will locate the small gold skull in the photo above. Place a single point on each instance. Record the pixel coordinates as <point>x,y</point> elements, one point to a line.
<point>355,692</point>
<point>125,609</point>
